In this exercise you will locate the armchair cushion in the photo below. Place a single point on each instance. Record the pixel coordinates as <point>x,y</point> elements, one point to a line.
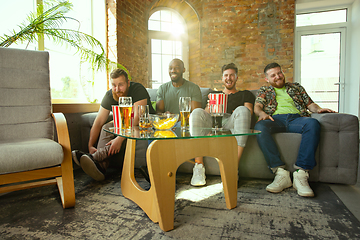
<point>13,154</point>
<point>25,95</point>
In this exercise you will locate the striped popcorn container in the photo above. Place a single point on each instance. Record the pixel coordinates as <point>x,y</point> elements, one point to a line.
<point>218,98</point>
<point>116,116</point>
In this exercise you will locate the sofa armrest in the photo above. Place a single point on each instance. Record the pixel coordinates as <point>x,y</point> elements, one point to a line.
<point>338,147</point>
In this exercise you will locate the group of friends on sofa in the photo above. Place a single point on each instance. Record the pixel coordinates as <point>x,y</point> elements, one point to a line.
<point>280,107</point>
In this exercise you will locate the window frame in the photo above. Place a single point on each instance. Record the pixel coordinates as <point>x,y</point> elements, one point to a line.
<point>162,35</point>
<point>77,101</point>
<point>323,29</point>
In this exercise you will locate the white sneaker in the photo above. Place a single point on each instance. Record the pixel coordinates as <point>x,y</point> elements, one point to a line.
<point>301,183</point>
<point>198,178</point>
<point>281,181</point>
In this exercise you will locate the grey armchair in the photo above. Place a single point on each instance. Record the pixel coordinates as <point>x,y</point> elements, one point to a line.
<point>29,155</point>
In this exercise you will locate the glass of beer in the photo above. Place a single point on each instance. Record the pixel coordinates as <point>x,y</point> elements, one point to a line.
<point>125,104</point>
<point>144,121</point>
<point>217,113</point>
<point>184,108</point>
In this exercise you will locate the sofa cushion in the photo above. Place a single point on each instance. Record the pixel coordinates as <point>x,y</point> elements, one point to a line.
<point>152,94</point>
<point>204,93</point>
<point>339,151</point>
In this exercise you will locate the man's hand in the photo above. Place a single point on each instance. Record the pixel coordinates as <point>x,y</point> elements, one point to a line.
<point>258,110</point>
<point>115,145</point>
<point>264,116</point>
<point>92,150</point>
<point>160,106</point>
<point>325,110</point>
<point>314,108</point>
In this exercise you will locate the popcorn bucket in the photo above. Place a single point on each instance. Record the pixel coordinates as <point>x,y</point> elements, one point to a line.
<point>116,116</point>
<point>218,98</point>
<point>117,130</point>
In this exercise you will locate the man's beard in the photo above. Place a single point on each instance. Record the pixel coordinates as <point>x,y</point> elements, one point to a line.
<point>116,97</point>
<point>276,84</point>
<point>230,88</point>
<point>176,79</point>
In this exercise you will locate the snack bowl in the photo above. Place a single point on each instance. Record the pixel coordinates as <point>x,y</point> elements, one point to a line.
<point>164,121</point>
<point>164,134</point>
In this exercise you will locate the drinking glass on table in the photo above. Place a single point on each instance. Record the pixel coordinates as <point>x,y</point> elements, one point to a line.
<point>125,104</point>
<point>144,121</point>
<point>217,114</point>
<point>184,108</point>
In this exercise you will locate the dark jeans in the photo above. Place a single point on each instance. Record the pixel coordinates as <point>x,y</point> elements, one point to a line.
<point>292,123</point>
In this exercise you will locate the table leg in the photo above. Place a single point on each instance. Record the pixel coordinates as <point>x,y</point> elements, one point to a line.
<point>131,189</point>
<point>163,159</point>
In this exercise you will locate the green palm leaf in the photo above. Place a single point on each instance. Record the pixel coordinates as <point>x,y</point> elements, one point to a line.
<point>48,23</point>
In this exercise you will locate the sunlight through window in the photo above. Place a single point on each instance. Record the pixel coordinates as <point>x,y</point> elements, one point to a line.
<point>71,79</point>
<point>167,41</point>
<point>318,18</point>
<point>166,21</point>
<point>198,194</point>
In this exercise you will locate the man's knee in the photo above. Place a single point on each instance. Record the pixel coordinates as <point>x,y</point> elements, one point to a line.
<point>197,113</point>
<point>241,110</point>
<point>241,117</point>
<point>108,125</point>
<point>261,125</point>
<point>312,124</point>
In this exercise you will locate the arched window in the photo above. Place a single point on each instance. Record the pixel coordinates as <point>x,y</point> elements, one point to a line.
<point>168,40</point>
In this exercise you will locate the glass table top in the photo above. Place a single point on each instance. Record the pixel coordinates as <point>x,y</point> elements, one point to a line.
<point>178,133</point>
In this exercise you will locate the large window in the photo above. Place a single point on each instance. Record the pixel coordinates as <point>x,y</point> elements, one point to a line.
<point>71,80</point>
<point>320,56</point>
<point>168,40</point>
<point>319,18</point>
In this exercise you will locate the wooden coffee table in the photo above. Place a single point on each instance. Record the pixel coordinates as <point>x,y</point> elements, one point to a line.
<point>165,154</point>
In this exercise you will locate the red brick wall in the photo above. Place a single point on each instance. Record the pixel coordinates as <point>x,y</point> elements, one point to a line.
<point>249,33</point>
<point>126,19</point>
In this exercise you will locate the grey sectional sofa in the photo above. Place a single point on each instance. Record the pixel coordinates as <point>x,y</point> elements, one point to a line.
<point>337,155</point>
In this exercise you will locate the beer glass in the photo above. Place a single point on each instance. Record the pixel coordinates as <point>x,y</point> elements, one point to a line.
<point>184,108</point>
<point>217,113</point>
<point>125,104</point>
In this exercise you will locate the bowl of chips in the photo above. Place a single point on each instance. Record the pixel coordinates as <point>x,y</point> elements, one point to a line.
<point>164,121</point>
<point>164,134</point>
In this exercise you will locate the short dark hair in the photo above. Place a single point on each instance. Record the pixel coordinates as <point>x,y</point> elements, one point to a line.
<point>178,60</point>
<point>229,66</point>
<point>270,66</point>
<point>119,72</point>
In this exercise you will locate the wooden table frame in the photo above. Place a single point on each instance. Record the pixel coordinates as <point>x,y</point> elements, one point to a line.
<point>163,159</point>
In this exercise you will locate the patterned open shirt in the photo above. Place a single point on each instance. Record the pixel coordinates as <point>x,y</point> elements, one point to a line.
<point>267,98</point>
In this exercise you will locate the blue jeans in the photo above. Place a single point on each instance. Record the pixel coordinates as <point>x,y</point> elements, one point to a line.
<point>292,123</point>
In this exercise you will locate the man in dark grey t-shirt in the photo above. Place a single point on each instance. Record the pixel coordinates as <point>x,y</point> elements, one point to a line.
<point>97,161</point>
